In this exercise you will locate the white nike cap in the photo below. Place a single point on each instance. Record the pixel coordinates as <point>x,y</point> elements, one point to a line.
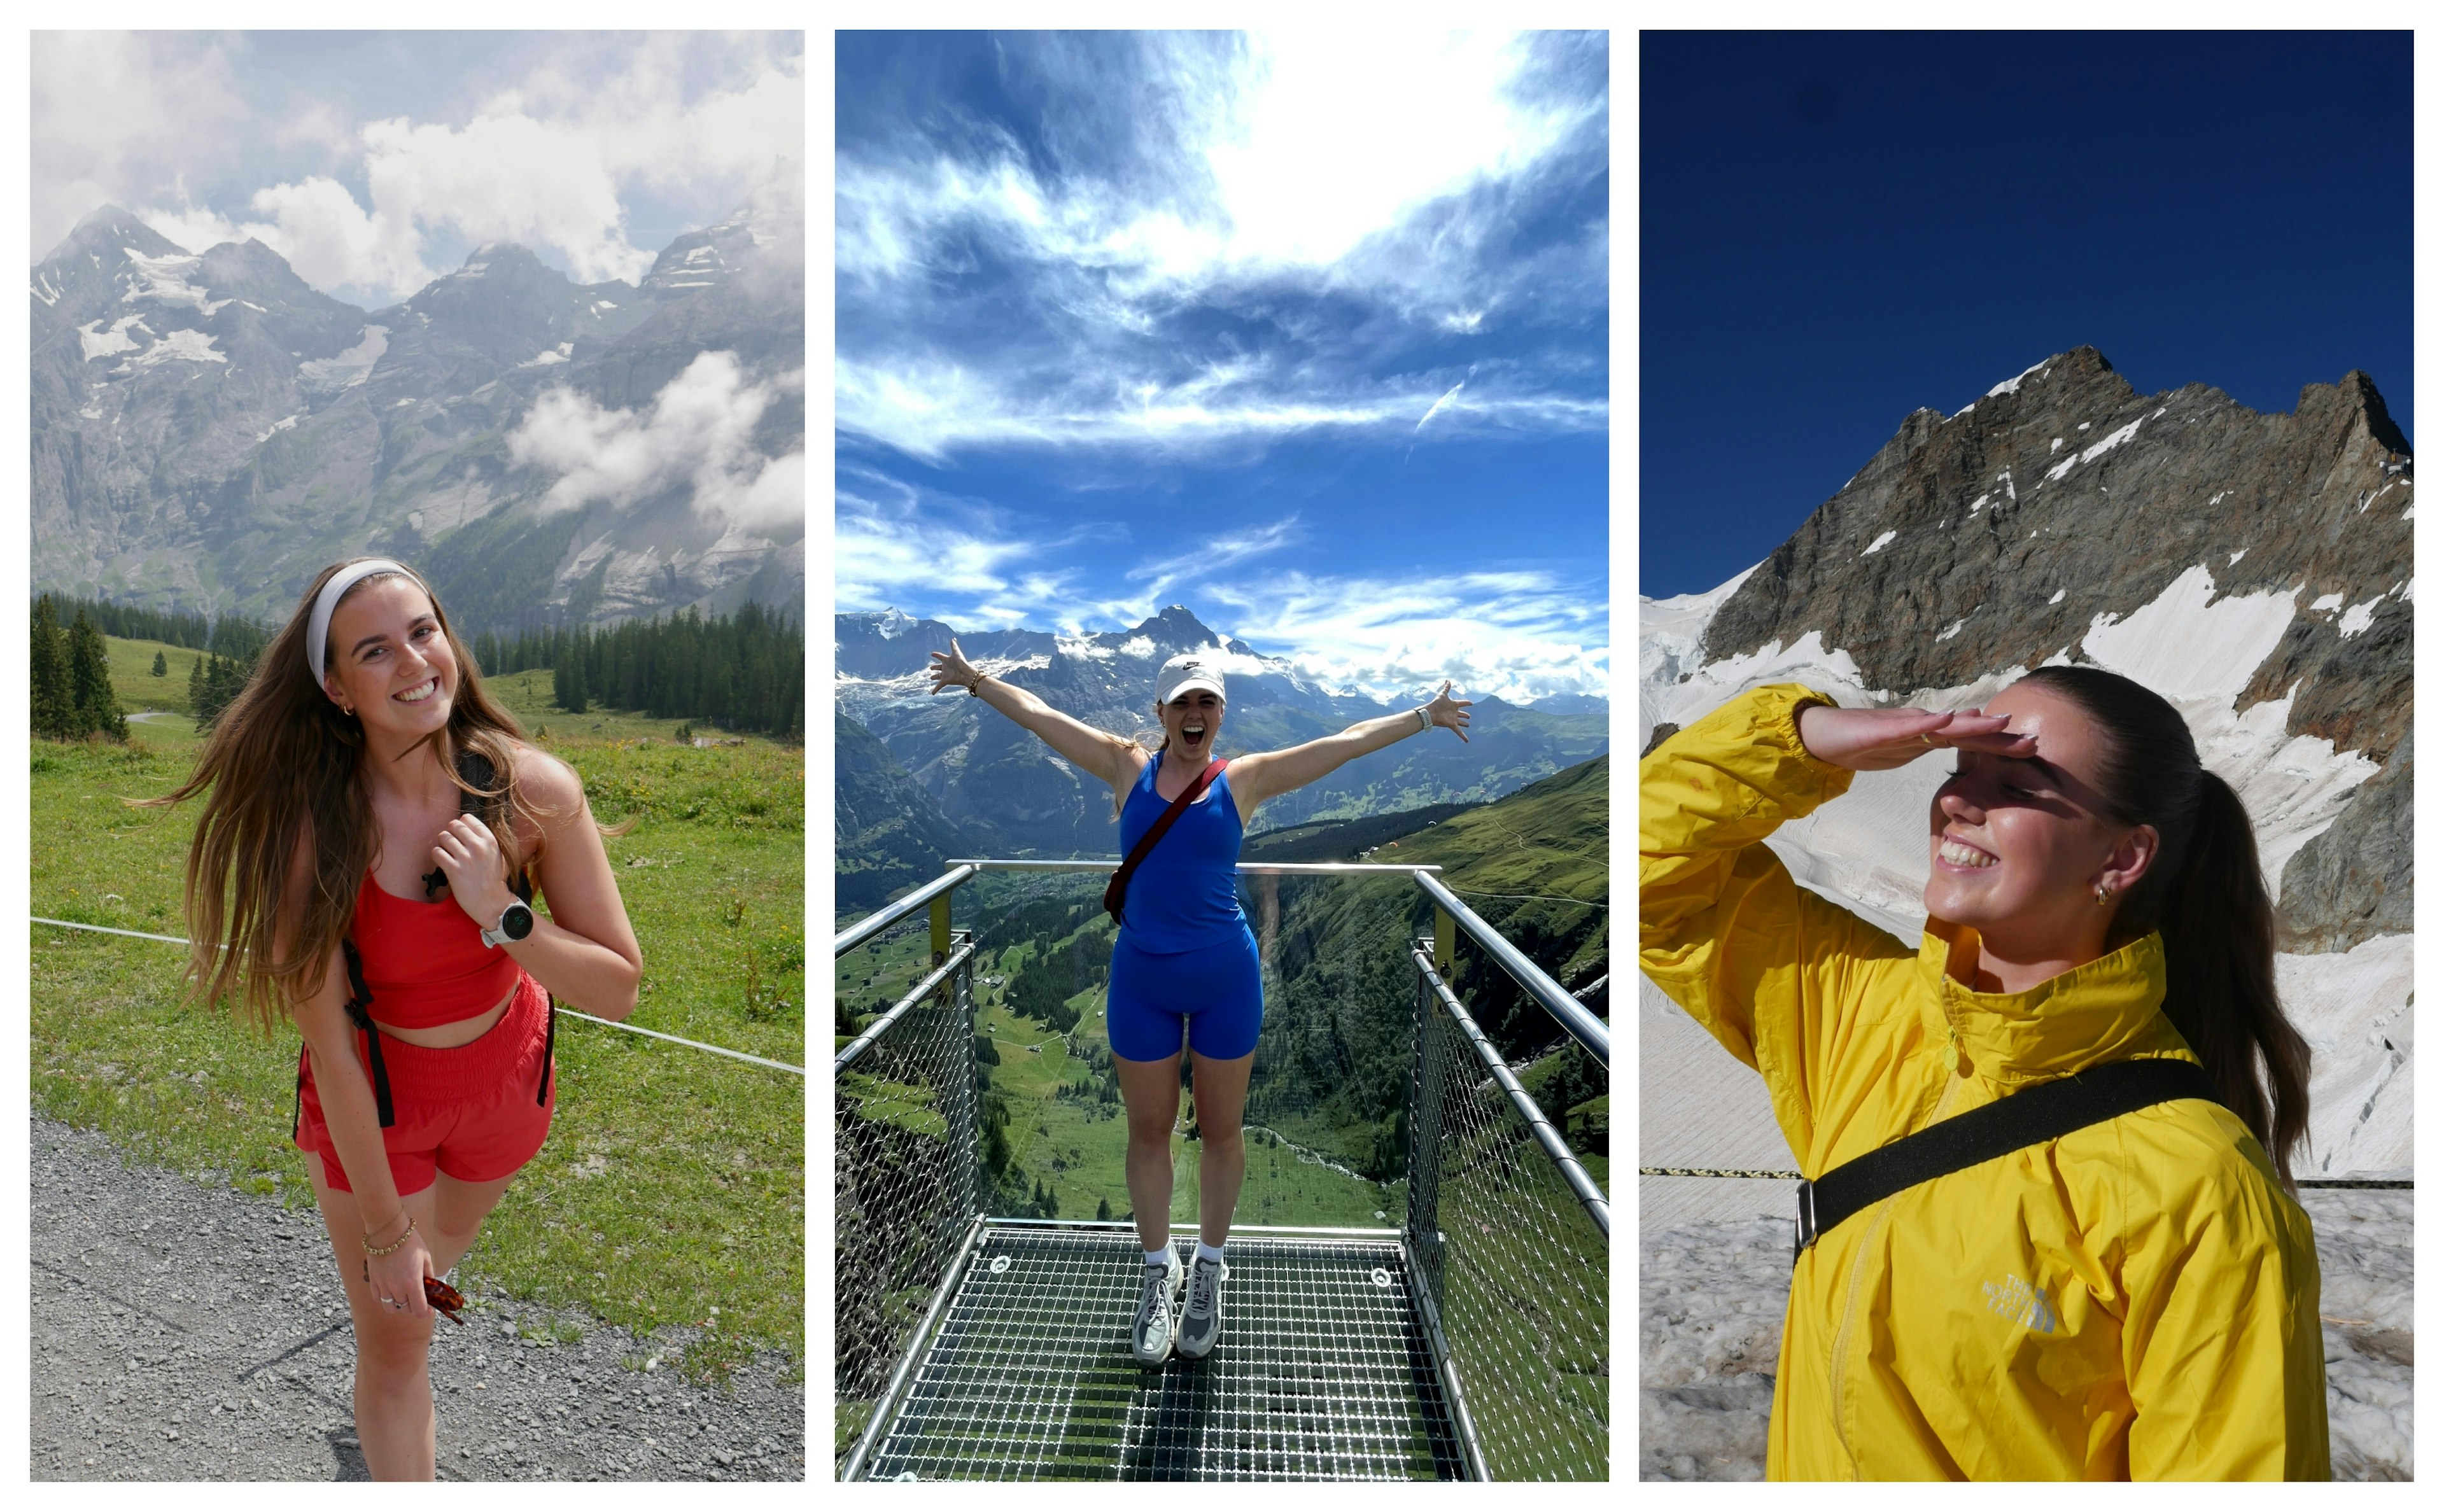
<point>1186,673</point>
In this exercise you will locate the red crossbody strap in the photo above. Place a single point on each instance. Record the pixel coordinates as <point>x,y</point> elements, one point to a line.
<point>1120,884</point>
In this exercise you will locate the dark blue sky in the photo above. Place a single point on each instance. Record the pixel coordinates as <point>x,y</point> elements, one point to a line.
<point>1308,333</point>
<point>1837,229</point>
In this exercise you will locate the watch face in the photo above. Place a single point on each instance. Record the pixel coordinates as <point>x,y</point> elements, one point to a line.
<point>517,921</point>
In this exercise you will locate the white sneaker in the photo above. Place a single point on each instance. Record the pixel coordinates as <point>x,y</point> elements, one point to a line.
<point>1201,1324</point>
<point>1158,1321</point>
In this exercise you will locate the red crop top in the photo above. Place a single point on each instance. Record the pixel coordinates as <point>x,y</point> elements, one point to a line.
<point>426,964</point>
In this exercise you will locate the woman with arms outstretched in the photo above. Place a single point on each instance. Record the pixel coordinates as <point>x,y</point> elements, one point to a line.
<point>1186,963</point>
<point>339,879</point>
<point>2133,1298</point>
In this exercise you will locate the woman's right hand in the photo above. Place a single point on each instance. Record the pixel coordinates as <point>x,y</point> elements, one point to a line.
<point>400,1276</point>
<point>1877,740</point>
<point>951,669</point>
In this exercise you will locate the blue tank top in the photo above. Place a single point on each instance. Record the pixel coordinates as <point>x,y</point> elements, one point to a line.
<point>1185,895</point>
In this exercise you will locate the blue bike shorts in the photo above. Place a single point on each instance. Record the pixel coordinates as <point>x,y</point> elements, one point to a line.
<point>1215,992</point>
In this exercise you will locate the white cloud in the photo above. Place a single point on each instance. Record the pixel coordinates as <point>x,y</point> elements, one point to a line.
<point>1294,151</point>
<point>115,114</point>
<point>698,434</point>
<point>1518,636</point>
<point>930,407</point>
<point>546,163</point>
<point>1216,554</point>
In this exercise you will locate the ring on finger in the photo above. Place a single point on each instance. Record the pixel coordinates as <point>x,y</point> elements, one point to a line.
<point>1928,739</point>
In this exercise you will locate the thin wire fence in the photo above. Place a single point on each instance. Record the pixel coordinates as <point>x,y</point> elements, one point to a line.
<point>1513,1257</point>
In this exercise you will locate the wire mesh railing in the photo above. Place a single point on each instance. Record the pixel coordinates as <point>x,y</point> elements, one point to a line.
<point>905,1170</point>
<point>1508,1236</point>
<point>975,1090</point>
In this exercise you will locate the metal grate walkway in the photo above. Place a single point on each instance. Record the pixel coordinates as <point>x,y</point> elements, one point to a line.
<point>1323,1373</point>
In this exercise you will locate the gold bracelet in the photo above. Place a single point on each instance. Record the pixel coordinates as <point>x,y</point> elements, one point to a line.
<point>978,683</point>
<point>393,1248</point>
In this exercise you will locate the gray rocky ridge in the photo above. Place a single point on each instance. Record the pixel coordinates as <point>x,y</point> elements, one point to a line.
<point>2062,499</point>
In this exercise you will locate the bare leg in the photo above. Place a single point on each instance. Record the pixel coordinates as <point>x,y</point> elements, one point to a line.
<point>1221,1099</point>
<point>394,1391</point>
<point>460,1208</point>
<point>1150,1092</point>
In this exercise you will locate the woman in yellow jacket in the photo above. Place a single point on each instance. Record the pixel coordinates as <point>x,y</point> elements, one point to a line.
<point>2135,1300</point>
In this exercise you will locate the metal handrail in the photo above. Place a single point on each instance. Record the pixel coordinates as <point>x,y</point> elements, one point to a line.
<point>1245,868</point>
<point>882,1027</point>
<point>874,924</point>
<point>1590,1195</point>
<point>882,1404</point>
<point>1583,1027</point>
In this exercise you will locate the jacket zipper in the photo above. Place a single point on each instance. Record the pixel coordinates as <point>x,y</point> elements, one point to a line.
<point>1954,1080</point>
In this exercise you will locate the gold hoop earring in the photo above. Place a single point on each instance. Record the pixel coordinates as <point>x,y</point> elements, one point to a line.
<point>2104,895</point>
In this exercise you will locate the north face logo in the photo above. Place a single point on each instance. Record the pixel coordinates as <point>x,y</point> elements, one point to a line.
<point>2022,1303</point>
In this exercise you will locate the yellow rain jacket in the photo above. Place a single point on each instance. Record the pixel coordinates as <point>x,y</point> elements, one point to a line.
<point>2137,1300</point>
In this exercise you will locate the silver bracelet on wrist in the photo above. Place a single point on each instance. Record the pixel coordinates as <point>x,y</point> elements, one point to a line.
<point>1425,720</point>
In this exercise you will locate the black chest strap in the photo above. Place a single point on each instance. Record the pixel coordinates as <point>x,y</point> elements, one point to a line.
<point>476,771</point>
<point>2047,1110</point>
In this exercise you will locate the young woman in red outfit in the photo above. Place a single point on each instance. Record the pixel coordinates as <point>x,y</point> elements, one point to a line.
<point>335,823</point>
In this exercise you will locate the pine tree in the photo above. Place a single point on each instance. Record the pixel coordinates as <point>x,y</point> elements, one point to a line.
<point>96,702</point>
<point>195,690</point>
<point>160,664</point>
<point>50,697</point>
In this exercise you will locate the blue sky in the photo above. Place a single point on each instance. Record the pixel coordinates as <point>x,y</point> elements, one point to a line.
<point>375,161</point>
<point>1309,335</point>
<point>1839,229</point>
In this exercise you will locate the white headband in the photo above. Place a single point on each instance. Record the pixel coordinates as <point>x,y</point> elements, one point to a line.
<point>318,629</point>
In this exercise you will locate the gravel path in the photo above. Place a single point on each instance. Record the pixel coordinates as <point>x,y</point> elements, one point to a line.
<point>1711,1299</point>
<point>185,1332</point>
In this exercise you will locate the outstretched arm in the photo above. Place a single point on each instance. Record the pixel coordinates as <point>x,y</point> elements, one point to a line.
<point>1270,774</point>
<point>1097,752</point>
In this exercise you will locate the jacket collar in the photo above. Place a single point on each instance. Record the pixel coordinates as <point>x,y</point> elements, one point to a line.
<point>2109,1009</point>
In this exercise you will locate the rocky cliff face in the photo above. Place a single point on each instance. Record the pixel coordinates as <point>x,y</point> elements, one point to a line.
<point>2254,569</point>
<point>208,430</point>
<point>2064,500</point>
<point>984,769</point>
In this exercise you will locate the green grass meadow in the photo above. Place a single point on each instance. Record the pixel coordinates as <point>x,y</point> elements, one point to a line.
<point>672,1189</point>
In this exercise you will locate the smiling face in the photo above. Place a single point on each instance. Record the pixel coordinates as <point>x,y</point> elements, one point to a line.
<point>389,661</point>
<point>2018,846</point>
<point>1192,721</point>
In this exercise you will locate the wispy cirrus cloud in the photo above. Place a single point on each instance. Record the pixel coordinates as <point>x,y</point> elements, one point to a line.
<point>1315,218</point>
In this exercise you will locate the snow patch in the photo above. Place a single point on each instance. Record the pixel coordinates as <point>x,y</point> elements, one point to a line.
<point>2358,616</point>
<point>180,347</point>
<point>2238,554</point>
<point>2187,645</point>
<point>41,289</point>
<point>2326,603</point>
<point>547,357</point>
<point>278,426</point>
<point>2355,1011</point>
<point>102,343</point>
<point>2011,385</point>
<point>2059,595</point>
<point>1979,503</point>
<point>352,366</point>
<point>1954,630</point>
<point>1879,543</point>
<point>2056,447</point>
<point>163,280</point>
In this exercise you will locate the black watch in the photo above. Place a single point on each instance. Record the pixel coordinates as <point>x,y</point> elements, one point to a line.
<point>517,922</point>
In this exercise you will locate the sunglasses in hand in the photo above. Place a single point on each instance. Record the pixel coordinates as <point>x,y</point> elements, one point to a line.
<point>444,1299</point>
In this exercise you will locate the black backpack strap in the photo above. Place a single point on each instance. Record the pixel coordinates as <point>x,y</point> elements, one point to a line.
<point>550,1026</point>
<point>297,1106</point>
<point>360,1007</point>
<point>2047,1110</point>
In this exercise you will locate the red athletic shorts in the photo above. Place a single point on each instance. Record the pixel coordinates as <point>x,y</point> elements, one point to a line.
<point>469,1111</point>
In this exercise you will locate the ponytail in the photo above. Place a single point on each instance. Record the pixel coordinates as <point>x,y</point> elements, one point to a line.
<point>2219,928</point>
<point>2206,894</point>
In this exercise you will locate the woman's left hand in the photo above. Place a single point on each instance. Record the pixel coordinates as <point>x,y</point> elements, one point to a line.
<point>471,858</point>
<point>1451,714</point>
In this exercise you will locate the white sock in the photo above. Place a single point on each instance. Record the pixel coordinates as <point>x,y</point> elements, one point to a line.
<point>1206,1251</point>
<point>1159,1256</point>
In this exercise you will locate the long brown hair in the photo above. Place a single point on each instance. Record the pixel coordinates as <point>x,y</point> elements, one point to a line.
<point>2206,896</point>
<point>285,771</point>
